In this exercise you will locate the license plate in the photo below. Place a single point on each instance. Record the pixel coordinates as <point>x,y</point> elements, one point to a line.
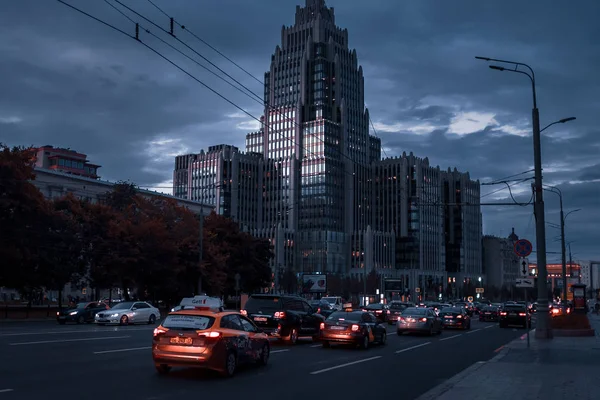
<point>487,313</point>
<point>338,328</point>
<point>260,319</point>
<point>178,340</point>
<point>448,317</point>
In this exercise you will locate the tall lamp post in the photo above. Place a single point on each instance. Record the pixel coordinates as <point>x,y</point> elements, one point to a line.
<point>543,329</point>
<point>563,247</point>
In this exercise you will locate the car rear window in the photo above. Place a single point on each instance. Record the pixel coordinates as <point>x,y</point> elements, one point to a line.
<point>264,304</point>
<point>450,310</point>
<point>414,311</point>
<point>188,322</point>
<point>346,316</point>
<point>374,307</point>
<point>515,307</point>
<point>397,306</point>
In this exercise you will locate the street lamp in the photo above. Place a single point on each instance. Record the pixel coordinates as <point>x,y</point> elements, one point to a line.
<point>543,329</point>
<point>563,250</point>
<point>560,121</point>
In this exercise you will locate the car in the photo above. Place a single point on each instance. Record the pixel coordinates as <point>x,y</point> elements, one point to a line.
<point>396,308</point>
<point>322,307</point>
<point>489,313</point>
<point>514,314</point>
<point>129,312</point>
<point>380,310</point>
<point>285,317</point>
<point>352,327</point>
<point>419,320</point>
<point>336,302</point>
<point>81,313</point>
<point>455,317</point>
<point>206,337</point>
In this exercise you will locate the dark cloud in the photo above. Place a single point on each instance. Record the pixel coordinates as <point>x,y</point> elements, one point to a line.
<point>71,82</point>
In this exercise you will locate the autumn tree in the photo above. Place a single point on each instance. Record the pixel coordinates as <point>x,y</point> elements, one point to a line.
<point>22,214</point>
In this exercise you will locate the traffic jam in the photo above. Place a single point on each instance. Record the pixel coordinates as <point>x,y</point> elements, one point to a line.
<point>201,333</point>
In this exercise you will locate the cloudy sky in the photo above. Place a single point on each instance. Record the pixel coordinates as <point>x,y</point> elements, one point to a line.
<point>68,81</point>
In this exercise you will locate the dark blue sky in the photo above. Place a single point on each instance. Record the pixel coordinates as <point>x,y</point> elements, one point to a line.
<point>68,81</point>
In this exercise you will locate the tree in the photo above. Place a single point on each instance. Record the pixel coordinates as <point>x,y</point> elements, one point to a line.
<point>22,214</point>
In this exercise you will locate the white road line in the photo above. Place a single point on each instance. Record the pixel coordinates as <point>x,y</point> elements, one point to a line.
<point>450,337</point>
<point>468,333</point>
<point>80,331</point>
<point>279,351</point>
<point>491,326</point>
<point>412,348</point>
<point>345,365</point>
<point>317,345</point>
<point>68,340</point>
<point>122,350</point>
<point>6,390</point>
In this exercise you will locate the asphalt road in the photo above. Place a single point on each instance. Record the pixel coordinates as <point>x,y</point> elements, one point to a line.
<point>45,360</point>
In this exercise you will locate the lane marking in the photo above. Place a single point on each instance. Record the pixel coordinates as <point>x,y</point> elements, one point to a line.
<point>498,349</point>
<point>80,331</point>
<point>279,351</point>
<point>6,390</point>
<point>491,326</point>
<point>122,350</point>
<point>68,340</point>
<point>412,348</point>
<point>450,337</point>
<point>316,345</point>
<point>468,333</point>
<point>344,365</point>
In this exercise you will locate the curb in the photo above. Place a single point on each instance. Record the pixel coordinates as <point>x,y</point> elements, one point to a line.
<point>442,388</point>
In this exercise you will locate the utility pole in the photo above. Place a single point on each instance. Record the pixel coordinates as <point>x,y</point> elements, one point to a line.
<point>563,251</point>
<point>200,251</point>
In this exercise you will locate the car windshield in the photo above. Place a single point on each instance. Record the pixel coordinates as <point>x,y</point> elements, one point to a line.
<point>81,305</point>
<point>374,307</point>
<point>352,316</point>
<point>126,305</point>
<point>397,306</point>
<point>264,304</point>
<point>414,311</point>
<point>450,310</point>
<point>188,322</point>
<point>330,300</point>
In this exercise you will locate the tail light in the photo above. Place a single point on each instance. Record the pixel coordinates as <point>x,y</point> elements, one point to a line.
<point>318,311</point>
<point>355,328</point>
<point>378,312</point>
<point>423,320</point>
<point>212,334</point>
<point>279,315</point>
<point>388,311</point>
<point>244,313</point>
<point>322,326</point>
<point>568,310</point>
<point>459,316</point>
<point>503,313</point>
<point>159,331</point>
<point>522,314</point>
<point>555,311</point>
<point>400,318</point>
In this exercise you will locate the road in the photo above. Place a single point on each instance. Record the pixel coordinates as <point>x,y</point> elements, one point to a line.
<point>45,360</point>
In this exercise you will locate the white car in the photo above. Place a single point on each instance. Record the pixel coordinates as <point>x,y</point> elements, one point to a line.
<point>129,312</point>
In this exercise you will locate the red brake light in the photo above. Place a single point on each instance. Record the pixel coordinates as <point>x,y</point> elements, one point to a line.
<point>159,331</point>
<point>244,313</point>
<point>322,326</point>
<point>355,328</point>
<point>318,311</point>
<point>522,314</point>
<point>279,315</point>
<point>388,311</point>
<point>423,320</point>
<point>459,316</point>
<point>212,334</point>
<point>503,313</point>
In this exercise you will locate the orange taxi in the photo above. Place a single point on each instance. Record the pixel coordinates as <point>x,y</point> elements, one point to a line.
<point>202,335</point>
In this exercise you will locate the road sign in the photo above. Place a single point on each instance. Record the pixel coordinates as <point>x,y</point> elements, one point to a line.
<point>523,248</point>
<point>470,299</point>
<point>418,290</point>
<point>525,283</point>
<point>479,290</point>
<point>524,270</point>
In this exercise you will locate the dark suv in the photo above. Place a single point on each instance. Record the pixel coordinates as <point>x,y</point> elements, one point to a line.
<point>283,316</point>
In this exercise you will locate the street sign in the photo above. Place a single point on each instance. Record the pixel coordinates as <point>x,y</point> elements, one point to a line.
<point>525,283</point>
<point>524,270</point>
<point>418,290</point>
<point>523,248</point>
<point>479,290</point>
<point>470,299</point>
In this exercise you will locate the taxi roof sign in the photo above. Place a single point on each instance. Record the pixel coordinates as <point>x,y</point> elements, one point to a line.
<point>202,302</point>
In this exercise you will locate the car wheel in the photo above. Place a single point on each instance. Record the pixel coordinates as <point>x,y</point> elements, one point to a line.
<point>124,320</point>
<point>293,337</point>
<point>230,365</point>
<point>264,354</point>
<point>163,369</point>
<point>152,319</point>
<point>365,342</point>
<point>326,344</point>
<point>383,339</point>
<point>80,320</point>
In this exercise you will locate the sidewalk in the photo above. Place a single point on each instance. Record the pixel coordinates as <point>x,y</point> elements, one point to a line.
<point>561,368</point>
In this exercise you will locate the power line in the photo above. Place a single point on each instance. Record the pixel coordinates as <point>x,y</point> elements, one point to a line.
<point>501,180</point>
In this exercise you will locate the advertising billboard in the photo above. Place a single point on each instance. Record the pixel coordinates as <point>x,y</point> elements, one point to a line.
<point>314,283</point>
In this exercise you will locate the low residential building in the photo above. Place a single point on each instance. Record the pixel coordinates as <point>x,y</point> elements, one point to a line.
<point>65,160</point>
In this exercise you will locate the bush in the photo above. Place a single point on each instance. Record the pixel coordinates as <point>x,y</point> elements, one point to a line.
<point>571,321</point>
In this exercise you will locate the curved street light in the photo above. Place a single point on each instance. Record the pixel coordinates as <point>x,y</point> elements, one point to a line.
<point>560,121</point>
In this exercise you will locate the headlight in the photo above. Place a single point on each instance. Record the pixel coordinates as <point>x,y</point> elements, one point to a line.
<point>172,310</point>
<point>114,315</point>
<point>73,313</point>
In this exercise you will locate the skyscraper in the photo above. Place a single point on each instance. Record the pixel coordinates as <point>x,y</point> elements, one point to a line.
<point>317,129</point>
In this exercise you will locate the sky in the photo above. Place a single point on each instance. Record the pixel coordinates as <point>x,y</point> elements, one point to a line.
<point>69,81</point>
